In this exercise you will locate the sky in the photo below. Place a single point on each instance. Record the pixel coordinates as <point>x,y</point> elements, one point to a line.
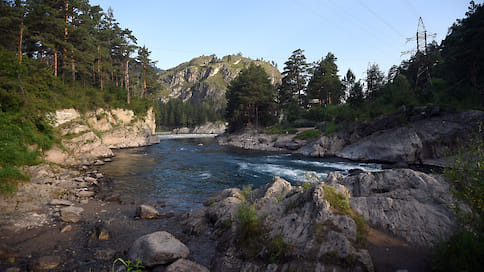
<point>358,32</point>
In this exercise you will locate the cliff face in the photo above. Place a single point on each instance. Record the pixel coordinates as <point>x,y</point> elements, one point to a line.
<point>206,78</point>
<point>90,136</point>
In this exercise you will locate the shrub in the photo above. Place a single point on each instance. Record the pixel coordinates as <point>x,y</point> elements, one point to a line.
<point>463,251</point>
<point>341,205</point>
<point>251,234</point>
<point>311,134</point>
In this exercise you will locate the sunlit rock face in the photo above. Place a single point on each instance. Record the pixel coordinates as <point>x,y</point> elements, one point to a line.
<point>92,135</point>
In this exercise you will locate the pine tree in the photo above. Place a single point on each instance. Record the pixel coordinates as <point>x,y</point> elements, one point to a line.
<point>294,80</point>
<point>325,84</point>
<point>250,99</point>
<point>374,81</point>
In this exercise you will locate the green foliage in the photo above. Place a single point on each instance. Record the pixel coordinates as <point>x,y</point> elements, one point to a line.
<point>309,135</point>
<point>278,249</point>
<point>325,84</point>
<point>175,113</point>
<point>293,86</point>
<point>280,129</point>
<point>331,127</point>
<point>130,266</point>
<point>251,232</point>
<point>247,193</point>
<point>464,249</point>
<point>341,205</point>
<point>250,99</point>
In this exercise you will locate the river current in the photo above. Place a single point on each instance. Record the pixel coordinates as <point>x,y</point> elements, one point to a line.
<point>185,172</point>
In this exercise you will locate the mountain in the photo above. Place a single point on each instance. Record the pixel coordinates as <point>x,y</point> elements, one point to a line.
<point>206,78</point>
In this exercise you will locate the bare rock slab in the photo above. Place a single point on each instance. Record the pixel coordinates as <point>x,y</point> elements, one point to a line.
<point>157,248</point>
<point>71,214</point>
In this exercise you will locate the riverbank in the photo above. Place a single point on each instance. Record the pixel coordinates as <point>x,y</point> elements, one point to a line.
<point>422,137</point>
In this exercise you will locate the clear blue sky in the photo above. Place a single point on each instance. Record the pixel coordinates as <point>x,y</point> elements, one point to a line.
<point>357,32</point>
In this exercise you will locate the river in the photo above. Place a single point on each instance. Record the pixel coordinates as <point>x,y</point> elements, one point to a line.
<point>183,173</point>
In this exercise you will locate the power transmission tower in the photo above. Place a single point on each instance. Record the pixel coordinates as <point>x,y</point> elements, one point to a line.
<point>421,58</point>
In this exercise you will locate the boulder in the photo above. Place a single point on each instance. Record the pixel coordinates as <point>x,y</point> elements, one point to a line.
<point>406,203</point>
<point>390,146</point>
<point>71,214</point>
<point>184,265</point>
<point>146,212</point>
<point>157,248</point>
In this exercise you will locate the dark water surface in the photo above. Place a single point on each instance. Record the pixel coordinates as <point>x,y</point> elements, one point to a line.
<point>185,172</point>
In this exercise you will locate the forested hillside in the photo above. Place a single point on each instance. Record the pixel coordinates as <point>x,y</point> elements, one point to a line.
<point>195,90</point>
<point>61,54</point>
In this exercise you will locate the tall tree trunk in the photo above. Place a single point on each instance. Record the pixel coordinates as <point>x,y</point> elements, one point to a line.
<point>64,49</point>
<point>126,80</point>
<point>20,41</point>
<point>144,80</point>
<point>55,64</point>
<point>73,67</point>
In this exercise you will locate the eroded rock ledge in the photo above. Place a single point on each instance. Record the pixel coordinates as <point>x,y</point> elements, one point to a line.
<point>90,136</point>
<point>307,233</point>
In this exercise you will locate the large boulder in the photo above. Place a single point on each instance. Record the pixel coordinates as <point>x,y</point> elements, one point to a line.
<point>395,145</point>
<point>184,265</point>
<point>157,248</point>
<point>71,214</point>
<point>406,203</point>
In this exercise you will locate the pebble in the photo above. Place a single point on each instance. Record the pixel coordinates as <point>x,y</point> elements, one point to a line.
<point>66,229</point>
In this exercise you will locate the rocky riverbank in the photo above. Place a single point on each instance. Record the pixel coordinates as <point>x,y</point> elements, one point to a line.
<point>66,218</point>
<point>422,136</point>
<point>281,227</point>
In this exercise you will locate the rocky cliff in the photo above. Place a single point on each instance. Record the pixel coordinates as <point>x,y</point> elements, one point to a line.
<point>207,78</point>
<point>90,136</point>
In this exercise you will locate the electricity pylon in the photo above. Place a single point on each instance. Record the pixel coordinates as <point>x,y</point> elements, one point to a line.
<point>423,71</point>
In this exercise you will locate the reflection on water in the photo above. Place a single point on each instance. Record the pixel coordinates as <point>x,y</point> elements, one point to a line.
<point>185,172</point>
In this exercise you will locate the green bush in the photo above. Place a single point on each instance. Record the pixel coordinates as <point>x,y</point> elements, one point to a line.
<point>311,134</point>
<point>251,233</point>
<point>463,251</point>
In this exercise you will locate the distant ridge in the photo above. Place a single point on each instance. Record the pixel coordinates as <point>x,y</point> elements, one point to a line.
<point>206,78</point>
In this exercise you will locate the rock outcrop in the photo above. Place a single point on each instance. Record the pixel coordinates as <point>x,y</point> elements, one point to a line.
<point>420,136</point>
<point>208,128</point>
<point>89,136</point>
<point>301,228</point>
<point>408,204</point>
<point>289,228</point>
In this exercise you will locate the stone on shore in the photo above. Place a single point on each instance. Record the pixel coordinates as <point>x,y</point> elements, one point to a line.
<point>184,265</point>
<point>71,214</point>
<point>157,248</point>
<point>60,202</point>
<point>146,212</point>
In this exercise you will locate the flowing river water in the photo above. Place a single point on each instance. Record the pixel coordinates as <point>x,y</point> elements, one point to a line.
<point>185,172</point>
